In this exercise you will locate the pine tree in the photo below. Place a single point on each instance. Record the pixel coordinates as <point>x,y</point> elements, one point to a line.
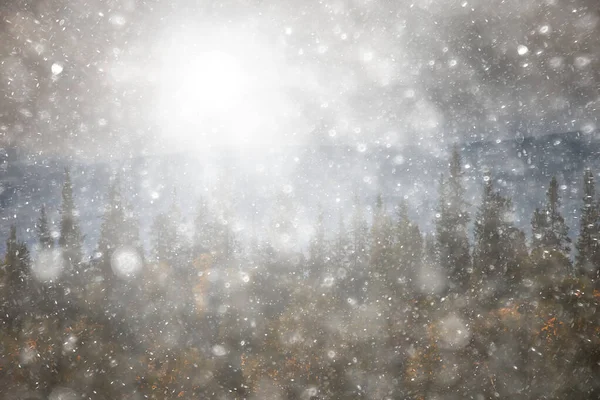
<point>408,244</point>
<point>430,250</point>
<point>550,243</point>
<point>47,254</point>
<point>284,226</point>
<point>43,231</point>
<point>119,229</point>
<point>70,239</point>
<point>131,228</point>
<point>490,226</point>
<point>168,243</point>
<point>517,258</point>
<point>341,245</point>
<point>341,254</point>
<point>131,224</point>
<point>227,246</point>
<point>111,230</point>
<point>317,247</point>
<point>359,238</point>
<point>16,261</point>
<point>430,279</point>
<point>587,242</point>
<point>382,260</point>
<point>451,227</point>
<point>164,239</point>
<point>16,265</point>
<point>205,229</point>
<point>494,255</point>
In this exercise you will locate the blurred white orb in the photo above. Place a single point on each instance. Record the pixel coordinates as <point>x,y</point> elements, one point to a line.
<point>48,265</point>
<point>522,50</point>
<point>56,69</point>
<point>63,393</point>
<point>454,333</point>
<point>126,262</point>
<point>219,350</point>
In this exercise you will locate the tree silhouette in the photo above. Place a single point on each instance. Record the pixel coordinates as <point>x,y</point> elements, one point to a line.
<point>588,254</point>
<point>70,239</point>
<point>451,226</point>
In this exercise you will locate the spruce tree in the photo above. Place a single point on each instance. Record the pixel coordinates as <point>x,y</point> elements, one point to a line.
<point>408,251</point>
<point>130,234</point>
<point>317,247</point>
<point>213,233</point>
<point>451,227</point>
<point>119,229</point>
<point>205,230</point>
<point>164,239</point>
<point>131,228</point>
<point>430,250</point>
<point>168,244</point>
<point>111,230</point>
<point>70,239</point>
<point>43,231</point>
<point>587,242</point>
<point>16,261</point>
<point>550,242</point>
<point>16,264</point>
<point>227,246</point>
<point>382,260</point>
<point>341,254</point>
<point>341,246</point>
<point>494,255</point>
<point>284,226</point>
<point>47,253</point>
<point>489,228</point>
<point>430,279</point>
<point>359,238</point>
<point>517,259</point>
<point>539,224</point>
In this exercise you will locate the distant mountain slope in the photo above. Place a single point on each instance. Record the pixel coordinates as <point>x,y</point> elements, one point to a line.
<point>307,176</point>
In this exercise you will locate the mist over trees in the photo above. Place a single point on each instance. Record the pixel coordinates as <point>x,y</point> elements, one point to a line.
<point>250,199</point>
<point>372,307</point>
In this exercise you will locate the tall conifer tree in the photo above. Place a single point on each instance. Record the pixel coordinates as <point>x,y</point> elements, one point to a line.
<point>341,245</point>
<point>494,254</point>
<point>408,244</point>
<point>16,265</point>
<point>71,239</point>
<point>383,262</point>
<point>205,229</point>
<point>317,248</point>
<point>112,228</point>
<point>43,230</point>
<point>359,237</point>
<point>550,242</point>
<point>451,226</point>
<point>587,242</point>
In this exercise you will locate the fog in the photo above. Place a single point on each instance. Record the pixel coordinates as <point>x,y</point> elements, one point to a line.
<point>100,80</point>
<point>301,200</point>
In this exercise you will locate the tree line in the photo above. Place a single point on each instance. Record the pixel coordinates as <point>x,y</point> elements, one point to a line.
<point>375,309</point>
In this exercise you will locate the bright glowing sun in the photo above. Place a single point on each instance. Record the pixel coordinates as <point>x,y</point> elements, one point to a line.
<point>217,88</point>
<point>209,84</point>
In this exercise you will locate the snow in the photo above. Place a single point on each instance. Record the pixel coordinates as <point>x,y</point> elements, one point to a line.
<point>522,49</point>
<point>56,69</point>
<point>48,265</point>
<point>219,350</point>
<point>223,234</point>
<point>126,262</point>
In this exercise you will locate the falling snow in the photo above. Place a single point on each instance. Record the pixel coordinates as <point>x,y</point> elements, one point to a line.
<point>299,200</point>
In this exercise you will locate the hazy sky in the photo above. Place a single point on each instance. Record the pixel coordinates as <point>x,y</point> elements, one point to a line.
<point>109,78</point>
